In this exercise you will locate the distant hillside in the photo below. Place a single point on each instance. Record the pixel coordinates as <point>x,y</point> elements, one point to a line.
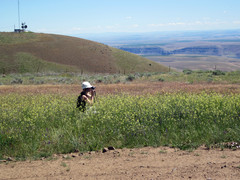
<point>196,50</point>
<point>33,52</point>
<point>146,50</point>
<point>224,56</point>
<point>228,50</point>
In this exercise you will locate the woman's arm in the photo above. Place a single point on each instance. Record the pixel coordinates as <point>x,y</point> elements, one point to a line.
<point>88,98</point>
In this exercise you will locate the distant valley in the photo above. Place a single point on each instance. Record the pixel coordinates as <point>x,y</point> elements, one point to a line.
<point>205,57</point>
<point>197,50</point>
<point>213,50</point>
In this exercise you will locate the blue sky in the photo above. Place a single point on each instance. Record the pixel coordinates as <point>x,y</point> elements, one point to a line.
<point>97,16</point>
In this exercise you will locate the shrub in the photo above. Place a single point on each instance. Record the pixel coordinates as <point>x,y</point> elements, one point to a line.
<point>187,71</point>
<point>161,79</point>
<point>130,78</point>
<point>218,72</point>
<point>99,81</point>
<point>17,81</point>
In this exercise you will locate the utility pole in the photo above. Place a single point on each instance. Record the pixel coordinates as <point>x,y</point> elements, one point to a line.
<point>24,26</point>
<point>18,15</point>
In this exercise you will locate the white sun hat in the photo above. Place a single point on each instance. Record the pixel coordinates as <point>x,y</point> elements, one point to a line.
<point>86,85</point>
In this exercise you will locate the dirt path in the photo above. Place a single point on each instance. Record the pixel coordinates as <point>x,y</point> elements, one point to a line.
<point>143,163</point>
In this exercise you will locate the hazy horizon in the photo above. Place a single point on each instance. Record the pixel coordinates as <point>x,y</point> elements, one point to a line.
<point>69,17</point>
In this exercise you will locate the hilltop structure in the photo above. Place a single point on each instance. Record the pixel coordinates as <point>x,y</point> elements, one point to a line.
<point>23,27</point>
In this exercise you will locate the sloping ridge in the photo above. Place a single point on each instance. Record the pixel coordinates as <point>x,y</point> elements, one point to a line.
<point>69,53</point>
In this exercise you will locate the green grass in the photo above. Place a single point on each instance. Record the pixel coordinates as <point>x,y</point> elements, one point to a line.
<point>27,63</point>
<point>42,125</point>
<point>7,38</point>
<point>76,78</point>
<point>134,63</point>
<point>198,76</point>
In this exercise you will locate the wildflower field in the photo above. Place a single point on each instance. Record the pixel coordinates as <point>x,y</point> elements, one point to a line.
<point>39,125</point>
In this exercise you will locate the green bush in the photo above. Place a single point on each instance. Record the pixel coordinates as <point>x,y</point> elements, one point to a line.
<point>218,72</point>
<point>130,78</point>
<point>187,71</point>
<point>161,79</point>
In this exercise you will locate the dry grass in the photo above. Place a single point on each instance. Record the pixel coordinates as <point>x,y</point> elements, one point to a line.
<point>86,56</point>
<point>140,88</point>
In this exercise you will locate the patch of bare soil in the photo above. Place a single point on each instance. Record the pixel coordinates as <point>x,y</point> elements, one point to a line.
<point>139,163</point>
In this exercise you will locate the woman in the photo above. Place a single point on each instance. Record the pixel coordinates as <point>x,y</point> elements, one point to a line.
<point>87,96</point>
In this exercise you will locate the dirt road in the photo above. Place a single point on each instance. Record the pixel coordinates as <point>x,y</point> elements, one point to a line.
<point>143,163</point>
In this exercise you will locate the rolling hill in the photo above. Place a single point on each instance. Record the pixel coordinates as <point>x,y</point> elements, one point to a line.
<point>34,52</point>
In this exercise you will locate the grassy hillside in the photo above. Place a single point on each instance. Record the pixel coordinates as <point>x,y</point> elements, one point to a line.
<point>33,52</point>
